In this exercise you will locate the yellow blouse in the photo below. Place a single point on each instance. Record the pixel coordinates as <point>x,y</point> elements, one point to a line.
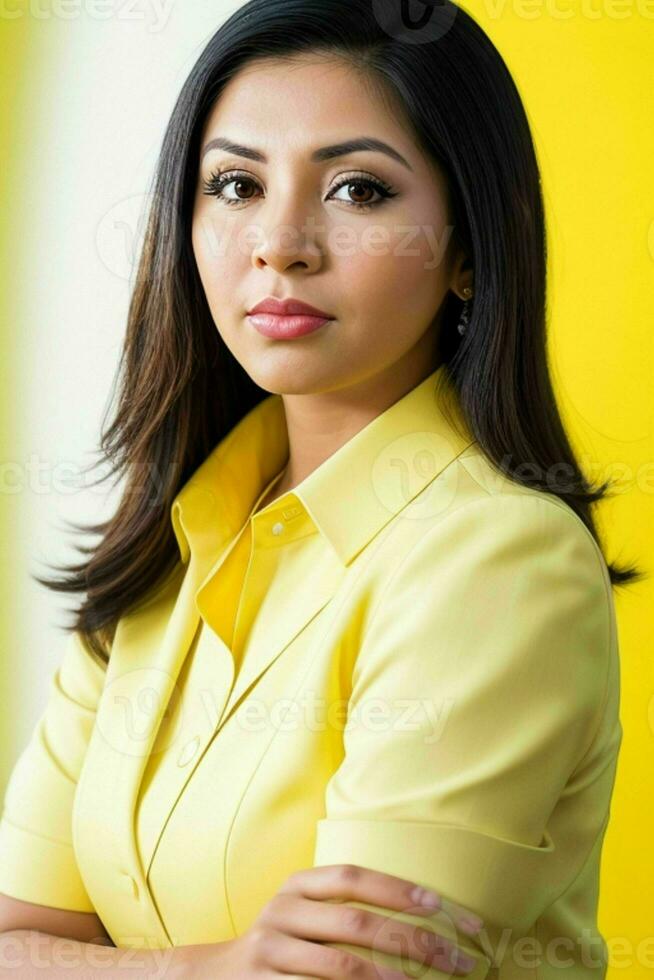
<point>408,662</point>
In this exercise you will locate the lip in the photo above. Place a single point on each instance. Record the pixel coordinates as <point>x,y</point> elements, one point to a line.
<point>288,307</point>
<point>286,327</point>
<point>285,319</point>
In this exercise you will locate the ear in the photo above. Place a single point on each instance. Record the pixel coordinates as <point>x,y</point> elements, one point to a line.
<point>461,275</point>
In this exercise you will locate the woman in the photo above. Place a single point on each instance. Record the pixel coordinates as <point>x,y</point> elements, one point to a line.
<point>351,630</point>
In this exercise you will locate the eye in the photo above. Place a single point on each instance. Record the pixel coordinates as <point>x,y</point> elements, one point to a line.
<point>217,182</point>
<point>362,184</point>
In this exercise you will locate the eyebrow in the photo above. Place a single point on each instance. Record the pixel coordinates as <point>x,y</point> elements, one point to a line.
<point>318,156</point>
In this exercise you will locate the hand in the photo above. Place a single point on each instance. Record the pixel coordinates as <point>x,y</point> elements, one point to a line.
<point>287,936</point>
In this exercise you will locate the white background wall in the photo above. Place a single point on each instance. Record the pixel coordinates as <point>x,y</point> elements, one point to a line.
<point>92,135</point>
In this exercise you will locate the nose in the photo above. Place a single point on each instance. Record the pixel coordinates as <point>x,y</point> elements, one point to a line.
<point>287,239</point>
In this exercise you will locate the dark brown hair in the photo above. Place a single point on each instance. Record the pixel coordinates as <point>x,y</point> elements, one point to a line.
<point>180,390</point>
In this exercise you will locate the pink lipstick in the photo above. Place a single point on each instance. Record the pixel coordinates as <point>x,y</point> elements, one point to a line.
<point>286,319</point>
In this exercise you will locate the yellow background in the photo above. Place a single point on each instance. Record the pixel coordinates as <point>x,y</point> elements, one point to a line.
<point>586,73</point>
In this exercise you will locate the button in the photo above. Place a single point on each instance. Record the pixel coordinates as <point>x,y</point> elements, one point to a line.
<point>129,885</point>
<point>189,751</point>
<point>277,528</point>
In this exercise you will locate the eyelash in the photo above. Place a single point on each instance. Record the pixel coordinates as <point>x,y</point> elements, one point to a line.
<point>219,180</point>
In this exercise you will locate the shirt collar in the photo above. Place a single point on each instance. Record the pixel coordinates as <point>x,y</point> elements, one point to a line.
<point>349,497</point>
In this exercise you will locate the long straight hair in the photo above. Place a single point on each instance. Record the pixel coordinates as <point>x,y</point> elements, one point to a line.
<point>180,390</point>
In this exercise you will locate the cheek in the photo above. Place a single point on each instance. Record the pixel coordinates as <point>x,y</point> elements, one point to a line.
<point>419,249</point>
<point>217,261</point>
<point>206,237</point>
<point>204,254</point>
<point>402,270</point>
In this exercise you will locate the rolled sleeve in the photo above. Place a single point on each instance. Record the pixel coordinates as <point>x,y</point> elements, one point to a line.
<point>37,859</point>
<point>477,692</point>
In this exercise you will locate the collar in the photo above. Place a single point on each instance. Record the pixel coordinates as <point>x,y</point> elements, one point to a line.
<point>349,497</point>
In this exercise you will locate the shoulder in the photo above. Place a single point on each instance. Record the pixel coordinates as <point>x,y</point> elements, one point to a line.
<point>474,522</point>
<point>493,572</point>
<point>82,673</point>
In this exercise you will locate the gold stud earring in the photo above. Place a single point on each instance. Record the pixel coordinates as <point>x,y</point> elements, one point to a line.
<point>465,311</point>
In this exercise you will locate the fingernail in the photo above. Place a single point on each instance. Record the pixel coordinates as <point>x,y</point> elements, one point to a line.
<point>471,924</point>
<point>422,896</point>
<point>459,959</point>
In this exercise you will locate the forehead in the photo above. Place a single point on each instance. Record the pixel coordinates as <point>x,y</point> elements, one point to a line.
<point>281,104</point>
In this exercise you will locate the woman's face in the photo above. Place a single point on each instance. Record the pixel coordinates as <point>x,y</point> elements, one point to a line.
<point>294,231</point>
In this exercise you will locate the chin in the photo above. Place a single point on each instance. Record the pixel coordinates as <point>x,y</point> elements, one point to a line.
<point>284,373</point>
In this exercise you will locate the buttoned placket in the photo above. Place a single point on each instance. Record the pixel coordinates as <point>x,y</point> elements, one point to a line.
<point>277,528</point>
<point>276,523</point>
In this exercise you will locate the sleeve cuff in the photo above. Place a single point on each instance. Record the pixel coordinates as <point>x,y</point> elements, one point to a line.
<point>40,870</point>
<point>507,883</point>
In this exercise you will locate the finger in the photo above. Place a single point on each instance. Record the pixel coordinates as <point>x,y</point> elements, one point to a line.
<point>343,882</point>
<point>351,882</point>
<point>315,920</point>
<point>296,956</point>
<point>465,920</point>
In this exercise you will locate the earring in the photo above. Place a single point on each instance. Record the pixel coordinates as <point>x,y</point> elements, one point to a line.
<point>465,311</point>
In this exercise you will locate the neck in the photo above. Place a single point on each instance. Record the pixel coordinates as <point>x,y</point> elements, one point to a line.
<point>320,424</point>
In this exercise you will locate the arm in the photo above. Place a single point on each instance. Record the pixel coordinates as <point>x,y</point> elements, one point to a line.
<point>84,927</point>
<point>37,859</point>
<point>478,690</point>
<point>41,892</point>
<point>27,951</point>
<point>34,938</point>
<point>48,924</point>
